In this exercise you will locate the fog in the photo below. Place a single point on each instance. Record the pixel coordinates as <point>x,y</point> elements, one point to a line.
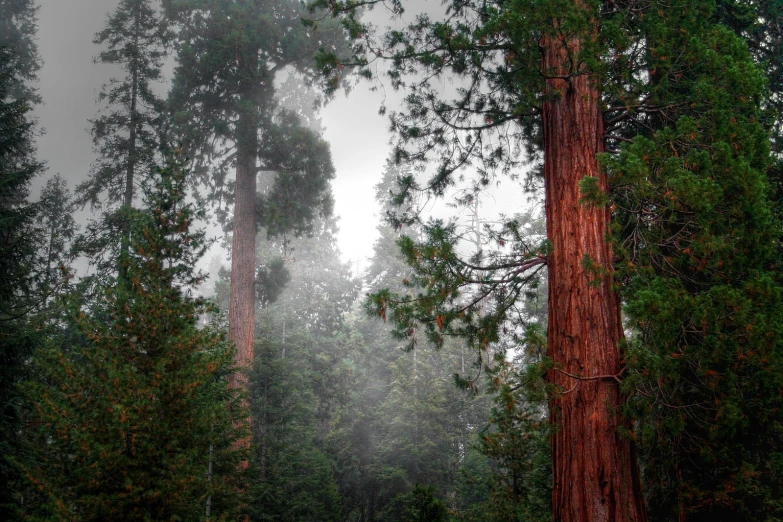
<point>70,82</point>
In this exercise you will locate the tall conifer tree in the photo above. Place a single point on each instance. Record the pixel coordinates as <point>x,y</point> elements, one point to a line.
<point>128,135</point>
<point>18,284</point>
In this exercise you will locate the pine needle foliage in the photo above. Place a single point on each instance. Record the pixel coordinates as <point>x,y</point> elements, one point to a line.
<point>18,25</point>
<point>135,418</point>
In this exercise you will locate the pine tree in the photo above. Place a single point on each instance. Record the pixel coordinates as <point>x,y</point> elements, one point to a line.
<point>293,387</point>
<point>19,166</point>
<point>572,83</point>
<point>402,438</point>
<point>230,53</point>
<point>128,136</point>
<point>135,415</point>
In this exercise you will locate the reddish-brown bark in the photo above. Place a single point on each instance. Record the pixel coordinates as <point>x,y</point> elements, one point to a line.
<point>241,307</point>
<point>595,474</point>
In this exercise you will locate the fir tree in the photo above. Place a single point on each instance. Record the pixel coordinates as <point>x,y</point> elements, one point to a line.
<point>402,438</point>
<point>19,166</point>
<point>57,227</point>
<point>135,417</point>
<point>301,375</point>
<point>293,387</point>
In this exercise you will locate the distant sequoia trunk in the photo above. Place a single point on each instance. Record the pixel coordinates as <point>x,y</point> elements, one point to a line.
<point>241,307</point>
<point>595,470</point>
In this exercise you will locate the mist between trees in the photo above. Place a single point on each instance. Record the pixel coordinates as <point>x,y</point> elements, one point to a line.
<point>573,310</point>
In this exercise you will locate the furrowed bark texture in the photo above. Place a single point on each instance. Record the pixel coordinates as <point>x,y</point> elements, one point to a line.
<point>595,474</point>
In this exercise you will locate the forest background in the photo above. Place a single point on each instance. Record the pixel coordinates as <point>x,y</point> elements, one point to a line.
<point>349,421</point>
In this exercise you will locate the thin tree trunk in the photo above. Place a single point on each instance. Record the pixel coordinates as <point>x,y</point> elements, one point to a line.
<point>127,203</point>
<point>595,472</point>
<point>208,507</point>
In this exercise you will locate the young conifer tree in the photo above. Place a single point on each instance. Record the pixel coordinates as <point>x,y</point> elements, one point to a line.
<point>57,227</point>
<point>135,415</point>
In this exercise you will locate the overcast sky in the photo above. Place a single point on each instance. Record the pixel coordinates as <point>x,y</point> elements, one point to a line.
<point>70,81</point>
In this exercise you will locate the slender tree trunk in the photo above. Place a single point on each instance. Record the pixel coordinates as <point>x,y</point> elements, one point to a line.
<point>208,507</point>
<point>130,172</point>
<point>595,472</point>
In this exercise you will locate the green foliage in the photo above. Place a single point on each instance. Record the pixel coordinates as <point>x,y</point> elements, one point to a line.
<point>134,417</point>
<point>695,260</point>
<point>424,506</point>
<point>300,194</point>
<point>18,166</point>
<point>591,192</point>
<point>758,22</point>
<point>19,284</point>
<point>271,280</point>
<point>229,56</point>
<point>18,26</point>
<point>291,397</point>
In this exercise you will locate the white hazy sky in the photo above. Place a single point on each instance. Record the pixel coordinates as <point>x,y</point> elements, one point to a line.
<point>70,81</point>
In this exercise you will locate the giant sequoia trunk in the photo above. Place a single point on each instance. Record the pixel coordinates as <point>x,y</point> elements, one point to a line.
<point>595,475</point>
